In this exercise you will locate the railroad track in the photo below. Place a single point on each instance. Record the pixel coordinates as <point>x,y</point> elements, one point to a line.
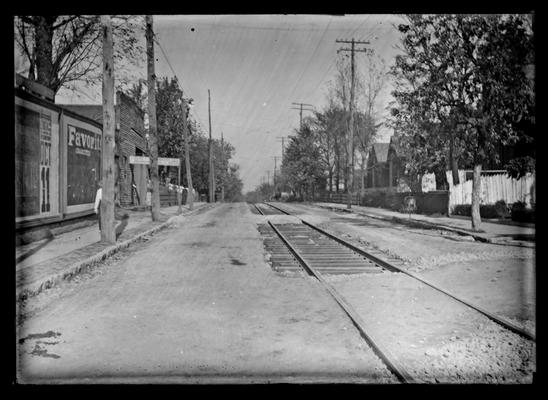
<point>305,246</point>
<point>268,209</point>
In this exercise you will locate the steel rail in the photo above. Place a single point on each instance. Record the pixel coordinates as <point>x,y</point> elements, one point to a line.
<point>258,209</point>
<point>384,354</point>
<point>499,320</point>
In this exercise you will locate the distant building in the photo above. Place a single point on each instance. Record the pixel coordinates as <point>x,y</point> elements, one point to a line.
<point>383,166</point>
<point>130,140</point>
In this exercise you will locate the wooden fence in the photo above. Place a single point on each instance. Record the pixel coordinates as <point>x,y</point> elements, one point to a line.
<point>338,198</point>
<point>493,188</point>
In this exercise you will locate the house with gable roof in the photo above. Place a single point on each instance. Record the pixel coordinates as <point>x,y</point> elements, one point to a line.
<point>383,166</point>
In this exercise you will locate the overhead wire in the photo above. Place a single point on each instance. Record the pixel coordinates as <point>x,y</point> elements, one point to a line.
<point>156,39</point>
<point>335,59</point>
<point>249,76</point>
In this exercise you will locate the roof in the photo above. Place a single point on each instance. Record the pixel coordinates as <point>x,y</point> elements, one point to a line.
<point>381,151</point>
<point>92,111</point>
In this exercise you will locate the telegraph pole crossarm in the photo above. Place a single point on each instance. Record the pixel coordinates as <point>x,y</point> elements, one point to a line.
<point>301,109</point>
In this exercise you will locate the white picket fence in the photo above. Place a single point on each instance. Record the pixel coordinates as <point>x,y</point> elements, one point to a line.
<point>494,187</point>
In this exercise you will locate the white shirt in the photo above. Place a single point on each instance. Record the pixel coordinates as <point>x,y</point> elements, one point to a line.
<point>98,197</point>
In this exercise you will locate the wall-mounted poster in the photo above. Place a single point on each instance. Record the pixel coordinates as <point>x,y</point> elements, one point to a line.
<point>36,161</point>
<point>27,162</point>
<point>83,164</point>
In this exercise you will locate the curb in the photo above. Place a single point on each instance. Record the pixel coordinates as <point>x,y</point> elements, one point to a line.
<point>84,265</point>
<point>429,225</point>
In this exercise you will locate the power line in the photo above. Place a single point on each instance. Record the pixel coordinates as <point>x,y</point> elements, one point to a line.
<point>333,62</point>
<point>157,40</point>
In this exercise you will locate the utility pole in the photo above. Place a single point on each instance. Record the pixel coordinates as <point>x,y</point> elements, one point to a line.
<point>283,144</point>
<point>151,83</point>
<point>350,143</point>
<point>275,165</point>
<point>190,193</point>
<point>211,177</point>
<point>301,111</point>
<point>223,169</point>
<point>108,234</point>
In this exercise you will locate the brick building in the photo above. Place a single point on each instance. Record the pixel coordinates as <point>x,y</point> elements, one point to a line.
<point>130,141</point>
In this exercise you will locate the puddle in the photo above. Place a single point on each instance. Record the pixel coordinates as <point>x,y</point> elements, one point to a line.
<point>42,352</point>
<point>48,334</point>
<point>235,261</point>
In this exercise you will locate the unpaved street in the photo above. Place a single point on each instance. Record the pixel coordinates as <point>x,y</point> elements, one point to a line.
<point>199,302</point>
<point>195,303</point>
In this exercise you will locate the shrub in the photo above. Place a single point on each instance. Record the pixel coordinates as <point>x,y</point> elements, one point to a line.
<point>497,210</point>
<point>502,209</point>
<point>521,213</point>
<point>463,209</point>
<point>488,211</point>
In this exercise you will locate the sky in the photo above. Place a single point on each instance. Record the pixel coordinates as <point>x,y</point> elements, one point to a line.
<point>255,67</point>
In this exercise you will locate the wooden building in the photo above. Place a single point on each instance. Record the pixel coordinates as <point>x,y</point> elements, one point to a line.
<point>383,166</point>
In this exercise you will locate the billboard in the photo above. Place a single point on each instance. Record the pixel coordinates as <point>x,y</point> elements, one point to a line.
<point>83,164</point>
<point>36,160</point>
<point>27,161</point>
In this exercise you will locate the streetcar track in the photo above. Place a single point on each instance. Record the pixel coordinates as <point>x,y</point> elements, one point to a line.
<point>306,250</point>
<point>494,318</point>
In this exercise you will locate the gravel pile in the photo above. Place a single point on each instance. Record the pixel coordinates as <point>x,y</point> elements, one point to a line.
<point>492,355</point>
<point>429,262</point>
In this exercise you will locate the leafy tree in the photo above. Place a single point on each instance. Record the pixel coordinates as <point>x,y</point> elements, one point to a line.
<point>63,50</point>
<point>170,118</point>
<point>171,143</point>
<point>463,90</point>
<point>301,166</point>
<point>233,184</point>
<point>328,127</point>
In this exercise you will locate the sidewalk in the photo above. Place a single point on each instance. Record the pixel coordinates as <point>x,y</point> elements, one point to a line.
<point>492,232</point>
<point>40,264</point>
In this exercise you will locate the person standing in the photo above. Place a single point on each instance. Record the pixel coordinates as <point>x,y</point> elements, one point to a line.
<point>97,206</point>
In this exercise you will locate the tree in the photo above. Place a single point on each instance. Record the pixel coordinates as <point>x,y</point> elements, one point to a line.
<point>301,166</point>
<point>465,89</point>
<point>366,122</point>
<point>233,184</point>
<point>61,51</point>
<point>170,118</point>
<point>329,129</point>
<point>368,82</point>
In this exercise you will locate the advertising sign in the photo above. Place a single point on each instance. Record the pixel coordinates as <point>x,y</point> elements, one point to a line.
<point>27,162</point>
<point>84,164</point>
<point>175,162</point>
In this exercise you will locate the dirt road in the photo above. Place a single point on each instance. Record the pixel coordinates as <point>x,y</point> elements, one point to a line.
<point>195,303</point>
